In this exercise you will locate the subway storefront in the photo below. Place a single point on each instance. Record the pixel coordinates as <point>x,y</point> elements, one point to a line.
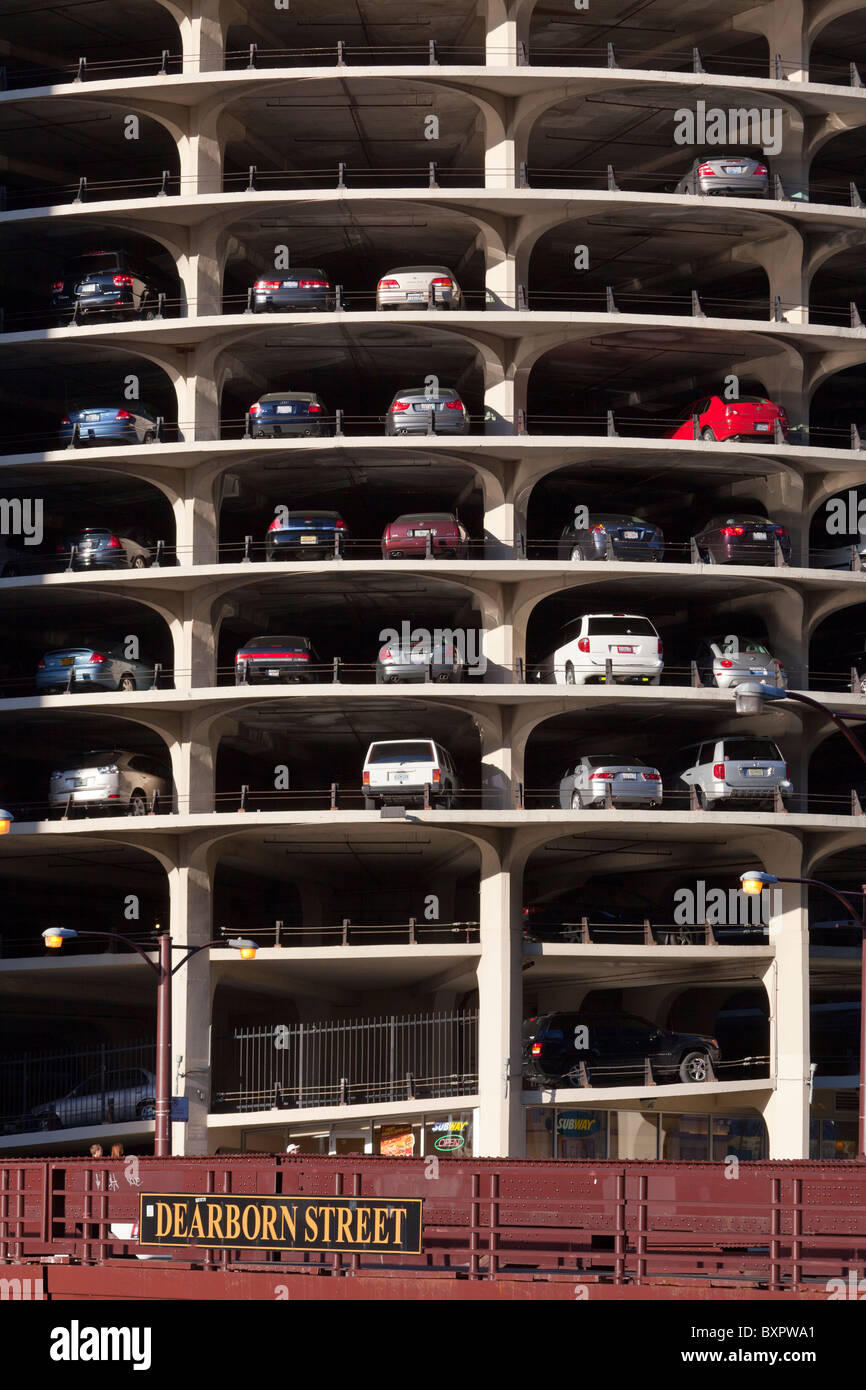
<point>559,1132</point>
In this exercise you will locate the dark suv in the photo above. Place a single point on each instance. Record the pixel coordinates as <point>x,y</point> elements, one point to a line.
<point>614,1048</point>
<point>104,282</point>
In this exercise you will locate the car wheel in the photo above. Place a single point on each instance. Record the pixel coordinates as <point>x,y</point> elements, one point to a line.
<point>139,562</point>
<point>147,312</point>
<point>569,674</point>
<point>138,804</point>
<point>695,1066</point>
<point>576,553</point>
<point>149,437</point>
<point>126,683</point>
<point>576,803</point>
<point>446,802</point>
<point>703,800</point>
<point>707,433</point>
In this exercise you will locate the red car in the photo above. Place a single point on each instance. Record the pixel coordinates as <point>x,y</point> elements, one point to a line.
<point>748,418</point>
<point>407,537</point>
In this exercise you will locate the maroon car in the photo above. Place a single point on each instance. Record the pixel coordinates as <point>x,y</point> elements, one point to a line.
<point>410,536</point>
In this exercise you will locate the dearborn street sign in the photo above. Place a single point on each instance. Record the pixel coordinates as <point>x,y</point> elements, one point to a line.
<point>345,1224</point>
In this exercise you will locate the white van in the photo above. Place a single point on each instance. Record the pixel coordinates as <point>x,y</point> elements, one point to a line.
<point>628,641</point>
<point>399,770</point>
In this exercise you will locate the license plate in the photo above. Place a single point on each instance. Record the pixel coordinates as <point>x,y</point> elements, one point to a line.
<point>759,535</point>
<point>88,289</point>
<point>763,429</point>
<point>309,540</point>
<point>735,169</point>
<point>755,771</point>
<point>416,298</point>
<point>419,533</point>
<point>625,651</point>
<point>285,410</point>
<point>398,777</point>
<point>756,671</point>
<point>628,776</point>
<point>428,405</point>
<point>630,535</point>
<point>77,782</point>
<point>290,284</point>
<point>92,417</point>
<point>67,661</point>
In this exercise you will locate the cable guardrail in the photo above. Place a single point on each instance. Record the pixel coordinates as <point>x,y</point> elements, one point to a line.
<point>413,932</point>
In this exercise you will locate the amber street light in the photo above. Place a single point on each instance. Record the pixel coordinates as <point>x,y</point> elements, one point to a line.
<point>54,938</point>
<point>753,881</point>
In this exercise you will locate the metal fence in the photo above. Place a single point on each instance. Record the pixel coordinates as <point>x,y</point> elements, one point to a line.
<point>357,1061</point>
<point>64,1090</point>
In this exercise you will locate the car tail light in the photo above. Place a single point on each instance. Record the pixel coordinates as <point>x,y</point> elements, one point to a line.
<point>652,777</point>
<point>599,526</point>
<point>399,405</point>
<point>266,285</point>
<point>314,284</point>
<point>453,405</point>
<point>96,659</point>
<point>782,531</point>
<point>66,420</point>
<point>787,773</point>
<point>437,775</point>
<point>241,656</point>
<point>385,654</point>
<point>732,530</point>
<point>389,284</point>
<point>760,169</point>
<point>123,415</point>
<point>366,779</point>
<point>122,280</point>
<point>276,525</point>
<point>661,647</point>
<point>340,525</point>
<point>113,543</point>
<point>40,666</point>
<point>726,662</point>
<point>314,409</point>
<point>706,171</point>
<point>442,280</point>
<point>719,771</point>
<point>255,408</point>
<point>583,644</point>
<point>58,285</point>
<point>536,1049</point>
<point>603,776</point>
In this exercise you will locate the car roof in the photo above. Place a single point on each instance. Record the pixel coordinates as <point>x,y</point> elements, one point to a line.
<point>288,396</point>
<point>424,516</point>
<point>401,269</point>
<point>422,391</point>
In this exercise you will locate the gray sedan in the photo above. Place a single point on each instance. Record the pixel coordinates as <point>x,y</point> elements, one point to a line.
<point>92,667</point>
<point>419,661</point>
<point>630,782</point>
<point>416,410</point>
<point>728,176</point>
<point>727,661</point>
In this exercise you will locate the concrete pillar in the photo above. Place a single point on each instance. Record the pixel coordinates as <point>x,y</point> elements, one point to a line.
<point>505,393</point>
<point>200,153</point>
<point>786,1113</point>
<point>203,25</point>
<point>501,36</point>
<point>200,267</point>
<point>198,405</point>
<point>496,784</point>
<point>190,898</point>
<point>783,24</point>
<point>500,1116</point>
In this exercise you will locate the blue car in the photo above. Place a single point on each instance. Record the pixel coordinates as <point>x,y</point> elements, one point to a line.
<point>103,424</point>
<point>310,535</point>
<point>100,667</point>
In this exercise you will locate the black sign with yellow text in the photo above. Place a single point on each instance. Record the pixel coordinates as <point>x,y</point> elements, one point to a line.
<point>344,1224</point>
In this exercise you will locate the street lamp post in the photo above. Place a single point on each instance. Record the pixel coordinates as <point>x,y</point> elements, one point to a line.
<point>750,697</point>
<point>54,938</point>
<point>755,881</point>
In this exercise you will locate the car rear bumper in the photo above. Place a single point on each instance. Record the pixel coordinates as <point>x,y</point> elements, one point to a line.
<point>55,681</point>
<point>97,562</point>
<point>734,187</point>
<point>290,429</point>
<point>417,423</point>
<point>415,672</point>
<point>93,433</point>
<point>287,673</point>
<point>89,796</point>
<point>289,302</point>
<point>416,549</point>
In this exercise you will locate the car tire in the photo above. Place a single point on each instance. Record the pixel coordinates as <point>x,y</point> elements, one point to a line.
<point>707,434</point>
<point>446,802</point>
<point>569,674</point>
<point>703,800</point>
<point>694,1066</point>
<point>149,437</point>
<point>139,562</point>
<point>138,803</point>
<point>576,803</point>
<point>126,684</point>
<point>147,312</point>
<point>576,554</point>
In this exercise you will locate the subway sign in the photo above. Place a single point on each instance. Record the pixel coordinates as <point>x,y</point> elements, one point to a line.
<point>343,1224</point>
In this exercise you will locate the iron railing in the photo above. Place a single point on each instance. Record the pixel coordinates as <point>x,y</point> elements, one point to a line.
<point>65,1089</point>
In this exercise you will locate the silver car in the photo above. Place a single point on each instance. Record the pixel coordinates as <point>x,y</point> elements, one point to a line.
<point>418,661</point>
<point>630,782</point>
<point>415,410</point>
<point>732,769</point>
<point>101,666</point>
<point>727,661</point>
<point>103,1098</point>
<point>109,779</point>
<point>419,287</point>
<point>727,176</point>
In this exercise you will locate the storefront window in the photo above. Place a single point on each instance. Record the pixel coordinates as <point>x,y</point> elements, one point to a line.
<point>829,1139</point>
<point>743,1135</point>
<point>685,1136</point>
<point>634,1135</point>
<point>581,1134</point>
<point>539,1132</point>
<point>399,1140</point>
<point>448,1136</point>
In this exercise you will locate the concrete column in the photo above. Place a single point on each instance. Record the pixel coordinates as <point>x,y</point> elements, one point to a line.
<point>496,782</point>
<point>190,898</point>
<point>787,275</point>
<point>199,148</point>
<point>783,24</point>
<point>200,267</point>
<point>198,406</point>
<point>505,393</point>
<point>203,25</point>
<point>500,1116</point>
<point>787,982</point>
<point>501,37</point>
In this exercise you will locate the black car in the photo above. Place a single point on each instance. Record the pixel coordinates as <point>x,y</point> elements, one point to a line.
<point>311,535</point>
<point>742,539</point>
<point>614,1048</point>
<point>306,288</point>
<point>98,548</point>
<point>612,536</point>
<point>104,283</point>
<point>282,414</point>
<point>276,660</point>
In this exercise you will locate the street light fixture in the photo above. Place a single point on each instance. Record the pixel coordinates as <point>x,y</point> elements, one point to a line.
<point>755,881</point>
<point>54,938</point>
<point>751,697</point>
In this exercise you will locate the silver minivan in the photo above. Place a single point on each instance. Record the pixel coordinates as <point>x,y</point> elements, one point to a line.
<point>109,779</point>
<point>740,768</point>
<point>399,770</point>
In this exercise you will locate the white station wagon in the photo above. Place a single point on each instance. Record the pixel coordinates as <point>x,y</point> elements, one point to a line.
<point>629,642</point>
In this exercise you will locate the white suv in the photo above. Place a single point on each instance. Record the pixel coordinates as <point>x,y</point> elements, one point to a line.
<point>400,769</point>
<point>629,642</point>
<point>109,779</point>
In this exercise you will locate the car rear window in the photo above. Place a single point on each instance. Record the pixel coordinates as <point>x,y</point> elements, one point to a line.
<point>88,265</point>
<point>620,627</point>
<point>307,518</point>
<point>614,760</point>
<point>413,518</point>
<point>415,752</point>
<point>265,644</point>
<point>736,748</point>
<point>98,757</point>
